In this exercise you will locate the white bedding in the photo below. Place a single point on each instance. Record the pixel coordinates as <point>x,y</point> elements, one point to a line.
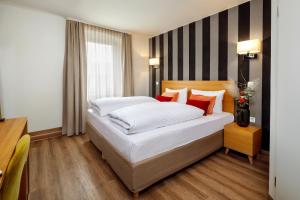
<point>138,147</point>
<point>148,116</point>
<point>106,105</point>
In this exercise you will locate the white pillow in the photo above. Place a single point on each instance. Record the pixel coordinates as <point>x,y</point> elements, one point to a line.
<point>182,94</point>
<point>218,108</point>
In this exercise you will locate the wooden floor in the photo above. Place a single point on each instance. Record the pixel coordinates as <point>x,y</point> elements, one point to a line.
<point>71,168</point>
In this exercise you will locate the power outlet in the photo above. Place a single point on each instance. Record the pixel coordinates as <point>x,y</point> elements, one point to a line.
<point>252,120</point>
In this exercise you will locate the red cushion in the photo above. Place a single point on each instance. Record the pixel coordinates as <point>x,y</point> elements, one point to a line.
<point>164,98</point>
<point>211,99</point>
<point>204,105</point>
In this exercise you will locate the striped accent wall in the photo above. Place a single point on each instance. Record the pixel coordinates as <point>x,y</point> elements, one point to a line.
<point>206,50</point>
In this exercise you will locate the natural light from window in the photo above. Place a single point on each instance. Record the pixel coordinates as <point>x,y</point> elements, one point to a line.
<point>102,76</point>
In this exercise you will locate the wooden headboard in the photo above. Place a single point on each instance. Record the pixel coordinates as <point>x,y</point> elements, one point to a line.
<point>228,103</point>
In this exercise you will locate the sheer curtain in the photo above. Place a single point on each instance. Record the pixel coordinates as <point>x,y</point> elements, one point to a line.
<point>105,71</point>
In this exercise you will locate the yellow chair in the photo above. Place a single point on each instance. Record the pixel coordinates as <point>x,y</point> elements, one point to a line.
<point>13,175</point>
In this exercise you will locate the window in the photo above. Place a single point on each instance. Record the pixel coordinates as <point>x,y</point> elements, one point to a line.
<point>104,63</point>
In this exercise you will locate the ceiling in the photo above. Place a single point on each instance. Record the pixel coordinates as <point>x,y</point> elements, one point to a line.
<point>136,16</point>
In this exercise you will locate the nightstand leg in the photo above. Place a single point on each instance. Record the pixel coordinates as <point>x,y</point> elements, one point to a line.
<point>136,195</point>
<point>102,156</point>
<point>226,151</point>
<point>250,159</point>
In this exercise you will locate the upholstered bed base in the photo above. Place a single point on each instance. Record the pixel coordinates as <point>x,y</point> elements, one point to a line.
<point>138,176</point>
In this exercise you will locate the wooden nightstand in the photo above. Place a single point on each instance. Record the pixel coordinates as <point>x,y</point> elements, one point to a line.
<point>245,140</point>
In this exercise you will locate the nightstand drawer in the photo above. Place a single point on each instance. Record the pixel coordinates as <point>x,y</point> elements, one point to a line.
<point>245,140</point>
<point>240,142</point>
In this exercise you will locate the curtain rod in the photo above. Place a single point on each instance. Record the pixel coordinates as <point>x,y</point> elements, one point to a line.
<point>92,24</point>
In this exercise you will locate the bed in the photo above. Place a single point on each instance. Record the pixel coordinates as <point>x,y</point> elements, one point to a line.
<point>145,158</point>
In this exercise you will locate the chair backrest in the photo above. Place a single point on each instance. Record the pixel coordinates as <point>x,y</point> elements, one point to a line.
<point>12,180</point>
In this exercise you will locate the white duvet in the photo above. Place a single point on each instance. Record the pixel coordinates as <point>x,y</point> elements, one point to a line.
<point>148,116</point>
<point>104,106</point>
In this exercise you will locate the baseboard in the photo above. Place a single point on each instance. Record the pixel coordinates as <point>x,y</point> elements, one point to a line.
<point>265,152</point>
<point>45,134</point>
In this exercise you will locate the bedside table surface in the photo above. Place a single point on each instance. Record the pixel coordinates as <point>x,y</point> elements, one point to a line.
<point>235,126</point>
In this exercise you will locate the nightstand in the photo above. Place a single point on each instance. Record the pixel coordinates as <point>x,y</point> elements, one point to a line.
<point>245,140</point>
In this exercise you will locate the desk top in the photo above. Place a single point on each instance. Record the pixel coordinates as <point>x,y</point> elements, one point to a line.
<point>11,131</point>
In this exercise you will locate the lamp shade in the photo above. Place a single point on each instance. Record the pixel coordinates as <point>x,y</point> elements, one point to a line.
<point>154,61</point>
<point>249,46</point>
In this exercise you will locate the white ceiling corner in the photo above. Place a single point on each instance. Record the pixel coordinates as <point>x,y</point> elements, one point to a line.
<point>135,16</point>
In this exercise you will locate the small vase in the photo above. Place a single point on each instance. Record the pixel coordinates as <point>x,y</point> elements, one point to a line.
<point>243,116</point>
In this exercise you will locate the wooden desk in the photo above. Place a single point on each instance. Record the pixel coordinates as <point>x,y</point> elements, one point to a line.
<point>11,131</point>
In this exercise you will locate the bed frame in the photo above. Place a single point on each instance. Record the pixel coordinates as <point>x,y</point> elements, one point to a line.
<point>140,175</point>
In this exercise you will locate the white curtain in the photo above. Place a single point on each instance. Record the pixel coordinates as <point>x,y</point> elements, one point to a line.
<point>105,69</point>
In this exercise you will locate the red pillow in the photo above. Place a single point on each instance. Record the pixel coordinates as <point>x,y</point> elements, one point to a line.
<point>174,95</point>
<point>204,105</point>
<point>211,99</point>
<point>164,98</point>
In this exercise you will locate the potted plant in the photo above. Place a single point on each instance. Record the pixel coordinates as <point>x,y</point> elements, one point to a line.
<point>242,94</point>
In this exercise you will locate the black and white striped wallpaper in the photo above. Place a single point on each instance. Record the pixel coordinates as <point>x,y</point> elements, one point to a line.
<point>206,50</point>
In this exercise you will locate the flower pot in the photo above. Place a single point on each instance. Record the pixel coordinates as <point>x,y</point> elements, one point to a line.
<point>243,116</point>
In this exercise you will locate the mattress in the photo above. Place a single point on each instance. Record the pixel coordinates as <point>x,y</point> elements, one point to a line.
<point>138,147</point>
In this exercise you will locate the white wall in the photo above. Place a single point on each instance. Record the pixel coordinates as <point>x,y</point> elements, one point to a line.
<point>31,65</point>
<point>273,117</point>
<point>140,56</point>
<point>285,122</point>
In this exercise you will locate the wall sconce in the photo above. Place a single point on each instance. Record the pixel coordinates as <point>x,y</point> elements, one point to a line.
<point>154,62</point>
<point>249,48</point>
